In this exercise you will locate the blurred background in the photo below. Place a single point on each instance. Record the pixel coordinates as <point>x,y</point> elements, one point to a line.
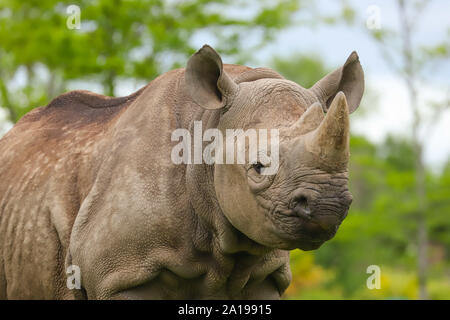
<point>400,165</point>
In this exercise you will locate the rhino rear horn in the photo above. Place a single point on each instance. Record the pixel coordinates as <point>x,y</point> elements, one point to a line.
<point>308,121</point>
<point>207,83</point>
<point>348,79</point>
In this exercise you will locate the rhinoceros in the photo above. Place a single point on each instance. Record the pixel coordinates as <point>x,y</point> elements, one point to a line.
<point>87,183</point>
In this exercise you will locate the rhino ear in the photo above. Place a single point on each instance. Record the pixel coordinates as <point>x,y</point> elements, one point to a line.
<point>206,81</point>
<point>348,79</point>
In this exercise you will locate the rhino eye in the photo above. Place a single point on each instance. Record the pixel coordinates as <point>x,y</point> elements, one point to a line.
<point>258,167</point>
<point>257,180</point>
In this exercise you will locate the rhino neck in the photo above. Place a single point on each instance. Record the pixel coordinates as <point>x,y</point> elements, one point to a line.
<point>213,228</point>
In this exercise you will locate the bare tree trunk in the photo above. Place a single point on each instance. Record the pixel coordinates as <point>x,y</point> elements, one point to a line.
<point>109,84</point>
<point>422,234</point>
<point>7,102</point>
<point>51,86</point>
<point>420,188</point>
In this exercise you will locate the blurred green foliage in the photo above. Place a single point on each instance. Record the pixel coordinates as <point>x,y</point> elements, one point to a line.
<point>119,40</point>
<point>302,69</point>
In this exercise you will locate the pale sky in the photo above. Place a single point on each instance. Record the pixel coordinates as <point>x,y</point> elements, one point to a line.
<point>333,43</point>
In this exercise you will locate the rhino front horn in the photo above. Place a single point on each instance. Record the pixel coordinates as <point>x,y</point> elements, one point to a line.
<point>330,141</point>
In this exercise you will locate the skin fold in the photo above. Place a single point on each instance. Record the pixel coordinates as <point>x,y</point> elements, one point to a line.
<point>88,180</point>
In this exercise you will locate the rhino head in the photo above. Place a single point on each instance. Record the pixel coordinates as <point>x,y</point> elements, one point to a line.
<point>305,201</point>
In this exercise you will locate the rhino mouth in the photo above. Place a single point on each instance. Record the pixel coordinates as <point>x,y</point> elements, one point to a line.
<point>307,232</point>
<point>301,226</point>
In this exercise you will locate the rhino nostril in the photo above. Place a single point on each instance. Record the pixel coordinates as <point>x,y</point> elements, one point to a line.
<point>301,207</point>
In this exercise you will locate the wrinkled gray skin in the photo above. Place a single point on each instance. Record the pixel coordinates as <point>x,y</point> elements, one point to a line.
<point>88,181</point>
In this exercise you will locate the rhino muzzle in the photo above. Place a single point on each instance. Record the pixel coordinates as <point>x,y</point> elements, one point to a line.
<point>319,219</point>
